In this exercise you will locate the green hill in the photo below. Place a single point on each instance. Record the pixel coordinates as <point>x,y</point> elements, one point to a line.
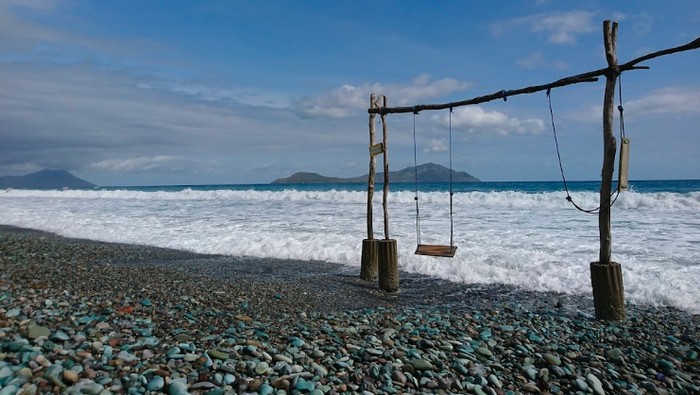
<point>428,172</point>
<point>45,179</point>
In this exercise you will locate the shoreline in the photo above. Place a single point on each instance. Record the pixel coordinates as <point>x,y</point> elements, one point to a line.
<point>175,322</point>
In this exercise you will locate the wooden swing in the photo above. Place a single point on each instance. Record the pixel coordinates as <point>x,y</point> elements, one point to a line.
<point>446,251</point>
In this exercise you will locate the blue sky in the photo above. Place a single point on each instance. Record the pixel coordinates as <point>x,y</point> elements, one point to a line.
<point>201,92</point>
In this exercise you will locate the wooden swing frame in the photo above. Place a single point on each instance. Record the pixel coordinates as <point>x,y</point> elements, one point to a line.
<point>606,275</point>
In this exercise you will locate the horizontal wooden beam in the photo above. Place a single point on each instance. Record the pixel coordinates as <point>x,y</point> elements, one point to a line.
<point>590,76</point>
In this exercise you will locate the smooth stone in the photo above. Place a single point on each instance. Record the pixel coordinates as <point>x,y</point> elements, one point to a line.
<point>9,390</point>
<point>265,389</point>
<point>421,364</point>
<point>303,385</point>
<point>665,365</point>
<point>494,381</point>
<point>203,385</point>
<point>126,356</point>
<point>319,370</point>
<point>157,383</point>
<point>595,384</point>
<point>552,359</point>
<point>530,388</point>
<point>531,372</point>
<point>478,390</point>
<point>484,351</point>
<point>70,377</point>
<point>614,353</point>
<point>60,336</point>
<point>581,384</point>
<point>283,358</point>
<point>216,354</point>
<point>12,313</point>
<point>31,389</point>
<point>178,387</point>
<point>261,367</point>
<point>399,377</point>
<point>24,372</point>
<point>90,387</point>
<point>5,371</point>
<point>34,331</point>
<point>189,357</point>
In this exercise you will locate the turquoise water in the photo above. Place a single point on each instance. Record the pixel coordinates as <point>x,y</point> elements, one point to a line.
<point>641,186</point>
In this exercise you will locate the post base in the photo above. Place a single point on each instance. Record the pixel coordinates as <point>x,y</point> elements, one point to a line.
<point>388,265</point>
<point>368,266</point>
<point>608,291</point>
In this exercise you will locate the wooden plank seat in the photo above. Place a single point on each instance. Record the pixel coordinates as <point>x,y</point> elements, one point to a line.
<point>436,250</point>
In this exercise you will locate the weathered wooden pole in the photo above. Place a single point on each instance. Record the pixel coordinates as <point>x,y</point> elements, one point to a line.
<point>387,248</point>
<point>606,275</point>
<point>368,266</point>
<point>385,194</point>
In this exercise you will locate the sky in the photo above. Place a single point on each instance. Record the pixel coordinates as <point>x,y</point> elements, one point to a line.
<point>236,92</point>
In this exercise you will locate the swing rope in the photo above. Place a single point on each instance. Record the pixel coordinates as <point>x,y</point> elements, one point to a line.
<point>616,192</point>
<point>452,243</point>
<point>621,109</point>
<point>415,171</point>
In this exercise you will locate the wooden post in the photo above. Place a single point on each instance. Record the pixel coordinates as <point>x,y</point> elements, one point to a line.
<point>387,249</point>
<point>385,195</point>
<point>606,276</point>
<point>372,168</point>
<point>388,265</point>
<point>368,265</point>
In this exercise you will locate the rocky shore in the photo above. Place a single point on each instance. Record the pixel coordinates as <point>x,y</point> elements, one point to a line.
<point>84,317</point>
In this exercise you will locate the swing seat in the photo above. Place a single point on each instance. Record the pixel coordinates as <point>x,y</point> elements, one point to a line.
<point>436,250</point>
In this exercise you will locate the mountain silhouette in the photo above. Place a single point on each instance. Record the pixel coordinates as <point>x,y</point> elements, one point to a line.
<point>45,179</point>
<point>428,172</point>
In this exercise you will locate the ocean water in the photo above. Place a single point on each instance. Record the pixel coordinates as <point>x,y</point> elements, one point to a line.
<point>524,234</point>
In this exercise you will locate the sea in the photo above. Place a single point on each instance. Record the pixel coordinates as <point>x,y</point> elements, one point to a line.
<point>523,234</point>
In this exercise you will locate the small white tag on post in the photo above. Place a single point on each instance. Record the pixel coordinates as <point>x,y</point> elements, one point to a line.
<point>376,149</point>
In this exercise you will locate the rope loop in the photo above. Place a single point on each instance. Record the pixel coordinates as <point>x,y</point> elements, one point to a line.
<point>561,167</point>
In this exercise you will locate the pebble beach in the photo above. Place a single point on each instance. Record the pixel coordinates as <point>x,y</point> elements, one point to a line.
<point>84,317</point>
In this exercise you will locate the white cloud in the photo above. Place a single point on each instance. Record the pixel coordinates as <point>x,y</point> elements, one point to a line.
<point>347,100</point>
<point>138,164</point>
<point>641,22</point>
<point>224,95</point>
<point>436,145</point>
<point>670,100</point>
<point>537,61</point>
<point>559,27</point>
<point>474,119</point>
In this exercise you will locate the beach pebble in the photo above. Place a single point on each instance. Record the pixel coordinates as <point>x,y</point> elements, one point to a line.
<point>204,334</point>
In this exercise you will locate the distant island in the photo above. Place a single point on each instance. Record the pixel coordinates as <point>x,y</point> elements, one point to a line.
<point>428,172</point>
<point>45,179</point>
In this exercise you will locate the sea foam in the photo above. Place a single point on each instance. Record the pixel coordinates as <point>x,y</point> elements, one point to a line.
<point>537,241</point>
